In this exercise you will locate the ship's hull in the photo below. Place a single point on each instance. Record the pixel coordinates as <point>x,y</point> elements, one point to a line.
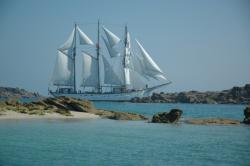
<point>126,96</point>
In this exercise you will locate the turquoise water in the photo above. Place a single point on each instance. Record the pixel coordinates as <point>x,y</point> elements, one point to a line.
<point>122,143</point>
<point>189,110</point>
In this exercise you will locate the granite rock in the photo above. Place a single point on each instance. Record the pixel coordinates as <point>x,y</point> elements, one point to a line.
<point>167,117</point>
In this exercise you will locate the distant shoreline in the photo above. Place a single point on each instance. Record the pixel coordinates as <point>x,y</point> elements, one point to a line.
<point>17,93</point>
<point>235,95</point>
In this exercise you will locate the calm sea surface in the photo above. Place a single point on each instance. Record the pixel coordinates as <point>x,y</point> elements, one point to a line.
<point>124,143</point>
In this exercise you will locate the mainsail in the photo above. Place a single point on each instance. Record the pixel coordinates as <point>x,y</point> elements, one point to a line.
<point>89,70</point>
<point>110,76</point>
<point>63,71</point>
<point>112,52</point>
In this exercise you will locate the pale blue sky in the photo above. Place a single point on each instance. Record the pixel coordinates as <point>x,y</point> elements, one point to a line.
<point>200,44</point>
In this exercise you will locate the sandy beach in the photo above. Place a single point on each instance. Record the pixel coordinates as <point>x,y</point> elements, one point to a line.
<point>75,115</point>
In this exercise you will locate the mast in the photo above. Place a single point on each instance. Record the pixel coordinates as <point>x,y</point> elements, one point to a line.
<point>125,55</point>
<point>98,55</point>
<point>74,59</point>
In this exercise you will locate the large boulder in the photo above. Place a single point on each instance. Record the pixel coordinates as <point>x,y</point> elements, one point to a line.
<point>247,115</point>
<point>167,117</point>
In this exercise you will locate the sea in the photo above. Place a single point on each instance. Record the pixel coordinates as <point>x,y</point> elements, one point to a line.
<point>104,142</point>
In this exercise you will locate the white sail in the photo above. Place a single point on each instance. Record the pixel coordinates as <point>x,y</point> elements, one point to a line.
<point>68,52</point>
<point>89,70</point>
<point>127,76</point>
<point>110,76</point>
<point>69,44</point>
<point>149,67</point>
<point>112,51</point>
<point>112,38</point>
<point>63,71</point>
<point>137,64</point>
<point>136,81</point>
<point>84,39</point>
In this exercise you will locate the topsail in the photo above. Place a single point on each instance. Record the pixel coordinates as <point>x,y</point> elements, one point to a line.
<point>84,39</point>
<point>89,70</point>
<point>110,75</point>
<point>112,38</point>
<point>69,44</point>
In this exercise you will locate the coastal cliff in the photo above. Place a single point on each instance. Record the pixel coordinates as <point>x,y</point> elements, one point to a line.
<point>235,95</point>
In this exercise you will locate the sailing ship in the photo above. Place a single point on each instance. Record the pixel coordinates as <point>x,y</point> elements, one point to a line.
<point>116,76</point>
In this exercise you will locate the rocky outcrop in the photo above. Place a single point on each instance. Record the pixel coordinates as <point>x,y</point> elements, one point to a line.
<point>64,105</point>
<point>247,115</point>
<point>7,92</point>
<point>167,117</point>
<point>213,121</point>
<point>236,95</point>
<point>120,115</point>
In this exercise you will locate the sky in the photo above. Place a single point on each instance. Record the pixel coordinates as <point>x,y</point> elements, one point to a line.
<point>199,44</point>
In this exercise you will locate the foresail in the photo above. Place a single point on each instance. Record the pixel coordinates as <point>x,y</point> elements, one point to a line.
<point>150,68</point>
<point>89,70</point>
<point>69,44</point>
<point>84,39</point>
<point>63,71</point>
<point>110,76</point>
<point>136,80</point>
<point>112,38</point>
<point>112,51</point>
<point>138,65</point>
<point>149,62</point>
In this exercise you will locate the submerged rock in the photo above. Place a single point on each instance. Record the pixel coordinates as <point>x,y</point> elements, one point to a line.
<point>167,117</point>
<point>213,121</point>
<point>247,115</point>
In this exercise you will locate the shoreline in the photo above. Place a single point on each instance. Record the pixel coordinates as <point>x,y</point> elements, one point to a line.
<point>9,114</point>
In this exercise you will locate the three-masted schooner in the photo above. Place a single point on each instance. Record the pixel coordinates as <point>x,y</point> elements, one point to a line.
<point>121,70</point>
